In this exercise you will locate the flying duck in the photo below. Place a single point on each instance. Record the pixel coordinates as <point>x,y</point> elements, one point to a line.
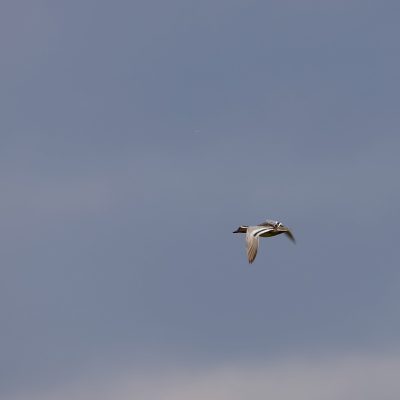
<point>265,229</point>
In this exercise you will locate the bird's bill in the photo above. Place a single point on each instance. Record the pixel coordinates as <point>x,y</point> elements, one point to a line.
<point>237,230</point>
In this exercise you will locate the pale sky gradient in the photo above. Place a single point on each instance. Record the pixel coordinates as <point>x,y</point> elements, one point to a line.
<point>137,135</point>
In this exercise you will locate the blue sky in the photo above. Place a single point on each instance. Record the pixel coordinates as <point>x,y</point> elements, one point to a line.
<point>136,136</point>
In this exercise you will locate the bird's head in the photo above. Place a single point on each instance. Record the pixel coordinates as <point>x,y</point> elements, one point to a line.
<point>241,229</point>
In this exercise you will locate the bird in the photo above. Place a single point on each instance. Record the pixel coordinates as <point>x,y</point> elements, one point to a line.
<point>265,229</point>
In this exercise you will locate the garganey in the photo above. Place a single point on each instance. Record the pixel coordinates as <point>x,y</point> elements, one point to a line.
<point>265,229</point>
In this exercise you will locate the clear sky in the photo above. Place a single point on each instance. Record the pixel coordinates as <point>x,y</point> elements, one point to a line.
<point>136,136</point>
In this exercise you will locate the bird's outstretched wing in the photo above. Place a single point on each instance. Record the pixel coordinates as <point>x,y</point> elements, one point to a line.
<point>290,236</point>
<point>252,239</point>
<point>267,223</point>
<point>252,246</point>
